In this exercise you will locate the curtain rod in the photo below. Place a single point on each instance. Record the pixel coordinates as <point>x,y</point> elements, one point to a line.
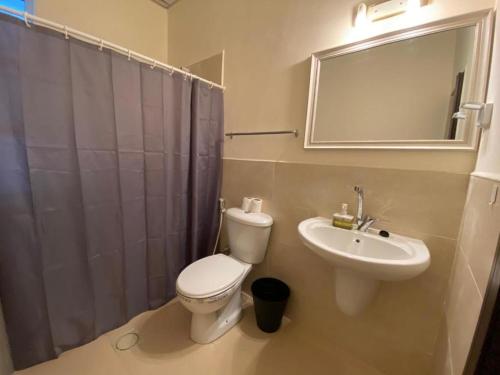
<point>101,43</point>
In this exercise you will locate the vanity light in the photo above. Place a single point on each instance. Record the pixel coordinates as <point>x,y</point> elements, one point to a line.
<point>413,5</point>
<point>361,15</point>
<point>382,10</point>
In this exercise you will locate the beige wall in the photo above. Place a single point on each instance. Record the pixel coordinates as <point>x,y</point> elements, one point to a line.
<point>268,45</point>
<point>398,331</point>
<point>140,25</point>
<point>210,68</point>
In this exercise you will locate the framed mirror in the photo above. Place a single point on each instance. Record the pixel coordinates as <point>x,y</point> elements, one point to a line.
<point>402,90</point>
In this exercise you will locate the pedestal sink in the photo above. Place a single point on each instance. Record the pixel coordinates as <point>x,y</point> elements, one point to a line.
<point>363,259</point>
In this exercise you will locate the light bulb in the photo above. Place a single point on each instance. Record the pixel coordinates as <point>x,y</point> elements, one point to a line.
<point>361,16</point>
<point>413,5</point>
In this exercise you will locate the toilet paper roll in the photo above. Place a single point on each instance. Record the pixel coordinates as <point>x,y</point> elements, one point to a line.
<point>256,205</point>
<point>246,204</point>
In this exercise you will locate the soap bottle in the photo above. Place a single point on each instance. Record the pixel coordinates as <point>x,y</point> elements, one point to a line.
<point>343,219</point>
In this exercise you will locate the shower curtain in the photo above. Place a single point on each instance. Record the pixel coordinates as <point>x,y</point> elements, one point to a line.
<point>109,183</point>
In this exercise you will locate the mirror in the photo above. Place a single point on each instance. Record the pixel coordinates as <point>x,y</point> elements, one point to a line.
<point>402,90</point>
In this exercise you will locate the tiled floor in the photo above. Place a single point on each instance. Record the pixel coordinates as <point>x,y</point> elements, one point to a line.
<point>165,348</point>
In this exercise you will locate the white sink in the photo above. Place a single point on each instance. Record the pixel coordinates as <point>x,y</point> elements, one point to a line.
<point>362,260</point>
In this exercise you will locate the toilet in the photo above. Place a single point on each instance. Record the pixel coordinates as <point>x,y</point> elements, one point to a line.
<point>211,287</point>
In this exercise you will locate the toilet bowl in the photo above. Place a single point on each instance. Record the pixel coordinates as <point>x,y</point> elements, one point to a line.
<point>211,287</point>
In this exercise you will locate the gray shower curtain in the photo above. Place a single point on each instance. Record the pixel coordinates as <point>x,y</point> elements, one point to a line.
<point>109,182</point>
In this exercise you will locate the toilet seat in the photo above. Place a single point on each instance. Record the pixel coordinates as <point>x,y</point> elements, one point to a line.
<point>210,276</point>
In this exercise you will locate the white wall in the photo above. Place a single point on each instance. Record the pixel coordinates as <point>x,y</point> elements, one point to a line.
<point>488,162</point>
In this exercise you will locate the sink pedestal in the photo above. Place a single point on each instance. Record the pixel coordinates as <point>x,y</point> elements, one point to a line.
<point>353,290</point>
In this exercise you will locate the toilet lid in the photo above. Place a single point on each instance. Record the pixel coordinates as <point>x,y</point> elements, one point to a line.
<point>209,276</point>
<point>257,219</point>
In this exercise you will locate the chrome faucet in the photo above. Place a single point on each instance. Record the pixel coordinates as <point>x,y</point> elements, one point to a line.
<point>363,221</point>
<point>367,223</point>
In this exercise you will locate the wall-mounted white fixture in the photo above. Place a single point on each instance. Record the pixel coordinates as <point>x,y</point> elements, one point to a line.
<point>387,9</point>
<point>483,118</point>
<point>383,10</point>
<point>362,260</point>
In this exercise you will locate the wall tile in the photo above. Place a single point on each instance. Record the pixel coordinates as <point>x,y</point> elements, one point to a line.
<point>442,357</point>
<point>481,223</point>
<point>403,201</point>
<point>398,332</point>
<point>462,313</point>
<point>247,179</point>
<point>477,243</point>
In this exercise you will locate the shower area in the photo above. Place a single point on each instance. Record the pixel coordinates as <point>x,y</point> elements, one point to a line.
<point>110,175</point>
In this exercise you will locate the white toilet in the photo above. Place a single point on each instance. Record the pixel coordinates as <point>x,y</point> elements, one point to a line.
<point>211,287</point>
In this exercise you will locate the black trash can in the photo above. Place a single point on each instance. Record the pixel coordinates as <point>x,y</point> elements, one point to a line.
<point>269,297</point>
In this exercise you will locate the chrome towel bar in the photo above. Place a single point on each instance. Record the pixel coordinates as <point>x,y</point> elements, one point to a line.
<point>295,132</point>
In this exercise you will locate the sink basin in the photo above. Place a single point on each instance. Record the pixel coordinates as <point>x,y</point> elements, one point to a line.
<point>390,259</point>
<point>361,260</point>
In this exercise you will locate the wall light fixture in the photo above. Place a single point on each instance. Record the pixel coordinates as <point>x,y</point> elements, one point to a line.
<point>386,9</point>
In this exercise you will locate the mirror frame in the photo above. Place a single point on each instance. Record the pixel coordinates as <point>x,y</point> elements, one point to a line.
<point>483,20</point>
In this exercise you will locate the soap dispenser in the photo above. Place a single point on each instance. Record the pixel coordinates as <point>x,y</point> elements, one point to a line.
<point>343,219</point>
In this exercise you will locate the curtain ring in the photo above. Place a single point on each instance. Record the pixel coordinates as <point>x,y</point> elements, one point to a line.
<point>171,72</point>
<point>154,64</point>
<point>211,86</point>
<point>129,55</point>
<point>26,20</point>
<point>185,77</point>
<point>101,44</point>
<point>66,35</point>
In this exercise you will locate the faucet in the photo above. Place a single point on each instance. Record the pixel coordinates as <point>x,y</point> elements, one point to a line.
<point>363,221</point>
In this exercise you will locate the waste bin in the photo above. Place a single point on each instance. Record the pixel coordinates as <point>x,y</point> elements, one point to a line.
<point>270,296</point>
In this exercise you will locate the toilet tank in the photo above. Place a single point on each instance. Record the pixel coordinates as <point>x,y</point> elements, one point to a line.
<point>248,234</point>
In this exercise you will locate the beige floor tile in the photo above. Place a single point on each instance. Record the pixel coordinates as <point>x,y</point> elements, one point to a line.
<point>164,345</point>
<point>165,348</point>
<point>96,358</point>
